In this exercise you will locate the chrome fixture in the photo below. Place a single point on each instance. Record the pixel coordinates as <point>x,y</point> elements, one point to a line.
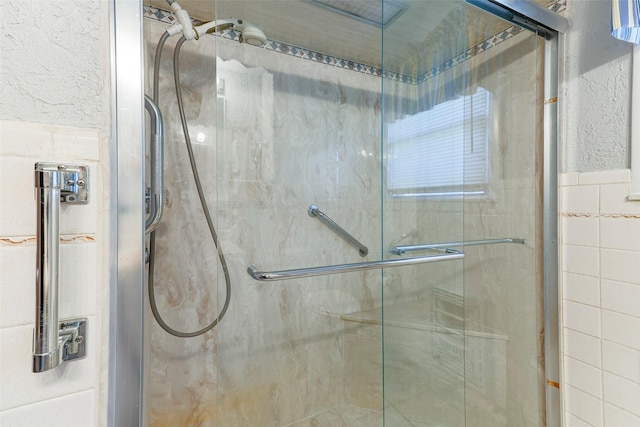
<point>248,33</point>
<point>265,276</point>
<point>401,250</point>
<point>55,341</point>
<point>527,14</point>
<point>400,238</point>
<point>156,190</point>
<point>313,211</point>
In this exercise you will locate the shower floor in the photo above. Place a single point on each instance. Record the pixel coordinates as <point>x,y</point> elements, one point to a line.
<point>424,410</point>
<point>428,413</point>
<point>343,416</point>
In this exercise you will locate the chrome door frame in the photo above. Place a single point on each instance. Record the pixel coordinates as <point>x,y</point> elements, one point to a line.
<point>126,346</point>
<point>551,26</point>
<point>126,328</point>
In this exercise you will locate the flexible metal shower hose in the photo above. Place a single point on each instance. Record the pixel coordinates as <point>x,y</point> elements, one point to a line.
<point>201,196</point>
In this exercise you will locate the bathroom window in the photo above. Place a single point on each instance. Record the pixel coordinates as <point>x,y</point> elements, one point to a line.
<point>442,151</point>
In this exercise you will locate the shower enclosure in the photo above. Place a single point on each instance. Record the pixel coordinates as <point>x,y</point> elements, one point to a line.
<point>382,183</point>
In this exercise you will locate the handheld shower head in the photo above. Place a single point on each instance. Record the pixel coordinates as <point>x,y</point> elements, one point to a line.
<point>250,33</point>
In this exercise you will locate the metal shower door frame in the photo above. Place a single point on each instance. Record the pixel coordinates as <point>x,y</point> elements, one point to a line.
<point>126,344</point>
<point>126,180</point>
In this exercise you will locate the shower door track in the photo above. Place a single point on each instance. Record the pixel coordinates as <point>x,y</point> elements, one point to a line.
<point>126,405</point>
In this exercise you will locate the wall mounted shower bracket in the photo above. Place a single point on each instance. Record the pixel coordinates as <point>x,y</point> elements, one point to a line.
<point>54,341</point>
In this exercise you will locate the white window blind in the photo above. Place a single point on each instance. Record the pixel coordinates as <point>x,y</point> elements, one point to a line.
<point>443,150</point>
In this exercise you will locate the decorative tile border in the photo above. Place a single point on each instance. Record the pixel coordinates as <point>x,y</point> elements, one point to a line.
<point>595,215</point>
<point>558,6</point>
<point>159,15</point>
<point>310,55</point>
<point>288,49</point>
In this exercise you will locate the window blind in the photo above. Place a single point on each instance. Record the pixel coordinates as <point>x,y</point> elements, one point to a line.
<point>442,150</point>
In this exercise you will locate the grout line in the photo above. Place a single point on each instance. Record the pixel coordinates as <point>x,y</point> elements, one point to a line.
<point>581,389</point>
<point>619,376</point>
<point>600,309</point>
<point>48,399</point>
<point>623,410</point>
<point>581,418</point>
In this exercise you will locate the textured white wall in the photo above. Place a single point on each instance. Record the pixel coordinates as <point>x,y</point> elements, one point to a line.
<point>597,91</point>
<point>52,62</point>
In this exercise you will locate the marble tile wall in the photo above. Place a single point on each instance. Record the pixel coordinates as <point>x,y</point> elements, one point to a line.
<point>600,291</point>
<point>295,133</point>
<point>28,399</point>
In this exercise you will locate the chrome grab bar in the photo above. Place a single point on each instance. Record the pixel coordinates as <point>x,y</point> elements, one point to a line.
<point>346,268</point>
<point>313,211</point>
<point>401,250</point>
<point>54,341</point>
<point>157,165</point>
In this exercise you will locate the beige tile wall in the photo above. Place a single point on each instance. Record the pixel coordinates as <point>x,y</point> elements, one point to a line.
<point>601,299</point>
<point>28,399</point>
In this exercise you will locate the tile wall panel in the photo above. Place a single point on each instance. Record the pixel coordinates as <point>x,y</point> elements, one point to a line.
<point>26,398</point>
<point>46,413</point>
<point>601,299</point>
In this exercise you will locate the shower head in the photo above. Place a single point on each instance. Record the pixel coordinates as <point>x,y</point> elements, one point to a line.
<point>249,33</point>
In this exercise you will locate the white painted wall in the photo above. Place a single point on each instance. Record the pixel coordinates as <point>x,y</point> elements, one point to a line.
<point>597,91</point>
<point>53,62</point>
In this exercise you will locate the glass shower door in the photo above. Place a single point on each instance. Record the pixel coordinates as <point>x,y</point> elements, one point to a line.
<point>419,138</point>
<point>426,135</point>
<point>462,173</point>
<point>302,129</point>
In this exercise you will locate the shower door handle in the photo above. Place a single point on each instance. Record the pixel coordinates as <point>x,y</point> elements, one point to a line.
<point>54,341</point>
<point>156,152</point>
<point>299,273</point>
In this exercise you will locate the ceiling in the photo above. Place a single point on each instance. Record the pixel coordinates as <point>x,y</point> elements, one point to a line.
<point>409,43</point>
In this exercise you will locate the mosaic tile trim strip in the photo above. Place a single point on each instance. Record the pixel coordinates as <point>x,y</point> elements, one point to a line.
<point>558,6</point>
<point>310,55</point>
<point>291,50</point>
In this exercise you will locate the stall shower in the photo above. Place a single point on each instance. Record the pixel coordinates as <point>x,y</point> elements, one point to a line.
<point>357,214</point>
